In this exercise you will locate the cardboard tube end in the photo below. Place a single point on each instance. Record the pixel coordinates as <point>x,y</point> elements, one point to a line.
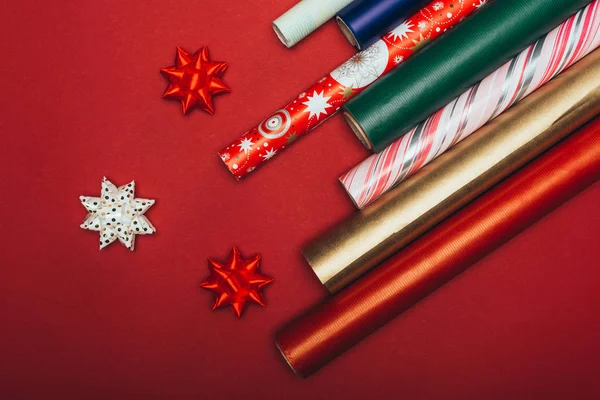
<point>347,32</point>
<point>228,168</point>
<point>287,360</point>
<point>307,254</point>
<point>281,36</point>
<point>349,194</point>
<point>358,131</point>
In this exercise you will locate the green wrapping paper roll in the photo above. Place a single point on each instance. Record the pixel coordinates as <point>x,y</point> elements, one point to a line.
<point>358,244</point>
<point>445,69</point>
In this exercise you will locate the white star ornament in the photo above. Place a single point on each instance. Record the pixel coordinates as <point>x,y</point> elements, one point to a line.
<point>117,215</point>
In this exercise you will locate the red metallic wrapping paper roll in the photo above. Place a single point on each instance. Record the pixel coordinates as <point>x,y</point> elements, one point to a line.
<point>325,332</point>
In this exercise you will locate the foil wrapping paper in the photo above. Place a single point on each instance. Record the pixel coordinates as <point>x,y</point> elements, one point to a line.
<point>455,62</point>
<point>320,102</point>
<point>533,67</point>
<point>373,234</point>
<point>363,22</point>
<point>305,18</point>
<point>329,329</point>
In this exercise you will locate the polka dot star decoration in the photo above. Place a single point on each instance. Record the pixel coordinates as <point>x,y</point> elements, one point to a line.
<point>117,215</point>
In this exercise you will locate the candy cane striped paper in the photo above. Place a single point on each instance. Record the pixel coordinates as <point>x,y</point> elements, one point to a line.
<point>536,65</point>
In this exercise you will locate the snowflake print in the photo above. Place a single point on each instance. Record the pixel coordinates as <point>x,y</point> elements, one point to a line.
<point>398,59</point>
<point>226,157</point>
<point>438,6</point>
<point>481,3</point>
<point>422,25</point>
<point>361,66</point>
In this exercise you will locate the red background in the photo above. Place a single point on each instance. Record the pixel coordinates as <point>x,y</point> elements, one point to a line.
<point>81,99</point>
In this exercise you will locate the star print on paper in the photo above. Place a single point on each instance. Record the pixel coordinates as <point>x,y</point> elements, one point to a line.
<point>481,3</point>
<point>236,282</point>
<point>246,145</point>
<point>194,80</point>
<point>420,43</point>
<point>347,92</point>
<point>302,115</point>
<point>291,138</point>
<point>402,31</point>
<point>117,215</point>
<point>269,154</point>
<point>317,104</point>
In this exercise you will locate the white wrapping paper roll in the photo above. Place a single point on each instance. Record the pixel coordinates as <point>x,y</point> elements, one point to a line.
<point>304,18</point>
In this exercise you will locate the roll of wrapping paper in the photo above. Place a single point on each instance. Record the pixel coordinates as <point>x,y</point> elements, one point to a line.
<point>363,22</point>
<point>333,327</point>
<point>323,100</point>
<point>451,65</point>
<point>305,18</point>
<point>532,68</point>
<point>455,178</point>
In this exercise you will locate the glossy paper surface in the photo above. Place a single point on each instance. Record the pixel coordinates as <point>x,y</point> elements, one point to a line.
<point>363,22</point>
<point>320,102</point>
<point>451,65</point>
<point>316,338</point>
<point>359,243</point>
<point>533,67</point>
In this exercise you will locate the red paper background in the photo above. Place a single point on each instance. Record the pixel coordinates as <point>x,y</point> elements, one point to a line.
<point>81,99</point>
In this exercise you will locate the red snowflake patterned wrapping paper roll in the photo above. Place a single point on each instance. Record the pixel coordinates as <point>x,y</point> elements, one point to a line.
<point>532,68</point>
<point>325,98</point>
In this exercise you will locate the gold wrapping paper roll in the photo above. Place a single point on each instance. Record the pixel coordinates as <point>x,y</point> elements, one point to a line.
<point>359,243</point>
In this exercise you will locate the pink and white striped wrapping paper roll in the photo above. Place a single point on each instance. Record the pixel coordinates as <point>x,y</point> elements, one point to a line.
<point>536,65</point>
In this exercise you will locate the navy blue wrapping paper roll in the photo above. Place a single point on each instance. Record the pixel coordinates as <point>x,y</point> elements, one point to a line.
<point>363,22</point>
